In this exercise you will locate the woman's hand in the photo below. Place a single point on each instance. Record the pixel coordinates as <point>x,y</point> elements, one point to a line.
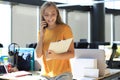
<point>13,69</point>
<point>41,37</point>
<point>42,27</point>
<point>50,55</point>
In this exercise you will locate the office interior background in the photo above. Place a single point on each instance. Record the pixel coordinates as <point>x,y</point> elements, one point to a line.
<point>20,22</point>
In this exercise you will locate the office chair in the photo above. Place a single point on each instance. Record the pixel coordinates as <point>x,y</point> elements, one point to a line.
<point>110,62</point>
<point>1,45</point>
<point>82,45</point>
<point>31,45</point>
<point>93,45</point>
<point>83,40</point>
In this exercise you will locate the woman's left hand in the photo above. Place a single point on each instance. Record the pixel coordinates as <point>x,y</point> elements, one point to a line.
<point>50,55</point>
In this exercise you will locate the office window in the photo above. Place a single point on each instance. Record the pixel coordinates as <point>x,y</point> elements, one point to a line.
<point>108,28</point>
<point>5,24</point>
<point>24,24</point>
<point>117,28</point>
<point>79,24</point>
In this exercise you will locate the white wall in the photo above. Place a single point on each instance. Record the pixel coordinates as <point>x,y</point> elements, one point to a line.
<point>24,24</point>
<point>79,24</point>
<point>108,28</point>
<point>5,24</point>
<point>117,28</point>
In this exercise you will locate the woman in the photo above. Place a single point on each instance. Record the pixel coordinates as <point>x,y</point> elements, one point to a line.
<point>52,29</point>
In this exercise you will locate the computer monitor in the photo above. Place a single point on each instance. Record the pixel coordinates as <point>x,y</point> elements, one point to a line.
<point>93,53</point>
<point>26,59</point>
<point>3,69</point>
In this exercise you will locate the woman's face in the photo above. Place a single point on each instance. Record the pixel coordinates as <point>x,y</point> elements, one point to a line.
<point>50,15</point>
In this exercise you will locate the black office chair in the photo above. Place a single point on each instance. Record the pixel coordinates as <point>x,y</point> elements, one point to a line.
<point>1,45</point>
<point>110,62</point>
<point>82,45</point>
<point>93,45</point>
<point>31,45</point>
<point>83,40</point>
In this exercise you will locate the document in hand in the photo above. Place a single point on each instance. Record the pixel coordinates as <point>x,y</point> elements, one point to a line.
<point>60,46</point>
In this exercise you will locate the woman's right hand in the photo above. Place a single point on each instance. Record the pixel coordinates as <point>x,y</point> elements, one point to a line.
<point>41,37</point>
<point>42,27</point>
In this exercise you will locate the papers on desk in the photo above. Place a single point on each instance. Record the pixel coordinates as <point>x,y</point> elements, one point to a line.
<point>15,75</point>
<point>60,46</point>
<point>22,75</point>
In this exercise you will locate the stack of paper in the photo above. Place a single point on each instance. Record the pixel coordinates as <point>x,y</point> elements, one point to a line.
<point>84,63</point>
<point>84,67</point>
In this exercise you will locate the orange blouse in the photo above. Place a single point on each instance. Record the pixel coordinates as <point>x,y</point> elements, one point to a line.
<point>56,66</point>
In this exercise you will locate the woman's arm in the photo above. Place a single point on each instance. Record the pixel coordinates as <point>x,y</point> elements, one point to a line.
<point>40,42</point>
<point>66,55</point>
<point>39,48</point>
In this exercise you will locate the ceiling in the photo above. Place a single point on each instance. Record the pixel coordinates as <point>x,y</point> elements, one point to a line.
<point>110,4</point>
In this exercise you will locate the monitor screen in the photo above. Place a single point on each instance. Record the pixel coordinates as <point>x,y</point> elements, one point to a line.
<point>26,56</point>
<point>3,69</point>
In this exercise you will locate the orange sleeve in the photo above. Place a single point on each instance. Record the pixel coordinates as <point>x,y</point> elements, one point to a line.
<point>68,32</point>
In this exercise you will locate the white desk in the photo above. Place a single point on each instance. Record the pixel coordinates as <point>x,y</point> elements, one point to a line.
<point>35,76</point>
<point>114,73</point>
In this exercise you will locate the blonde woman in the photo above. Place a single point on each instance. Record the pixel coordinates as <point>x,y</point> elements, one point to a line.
<point>52,29</point>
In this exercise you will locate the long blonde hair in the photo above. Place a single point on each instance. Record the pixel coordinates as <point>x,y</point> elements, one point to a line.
<point>48,4</point>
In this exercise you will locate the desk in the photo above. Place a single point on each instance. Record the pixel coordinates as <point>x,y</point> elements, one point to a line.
<point>34,75</point>
<point>114,73</point>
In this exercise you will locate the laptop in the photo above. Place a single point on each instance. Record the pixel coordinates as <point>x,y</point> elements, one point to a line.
<point>5,75</point>
<point>93,53</point>
<point>3,70</point>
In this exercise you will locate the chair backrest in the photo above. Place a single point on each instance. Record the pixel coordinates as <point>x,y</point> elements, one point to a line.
<point>31,45</point>
<point>81,45</point>
<point>1,45</point>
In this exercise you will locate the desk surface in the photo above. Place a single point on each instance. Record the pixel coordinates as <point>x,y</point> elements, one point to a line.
<point>114,73</point>
<point>36,76</point>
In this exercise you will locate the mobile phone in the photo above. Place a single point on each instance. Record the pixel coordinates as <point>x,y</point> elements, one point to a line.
<point>46,23</point>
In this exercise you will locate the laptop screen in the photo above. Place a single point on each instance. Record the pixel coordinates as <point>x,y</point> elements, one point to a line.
<point>3,69</point>
<point>26,56</point>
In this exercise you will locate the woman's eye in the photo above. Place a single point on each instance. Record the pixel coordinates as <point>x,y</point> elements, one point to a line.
<point>45,15</point>
<point>53,14</point>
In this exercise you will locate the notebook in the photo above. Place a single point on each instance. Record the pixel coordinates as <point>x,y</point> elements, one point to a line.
<point>60,46</point>
<point>93,53</point>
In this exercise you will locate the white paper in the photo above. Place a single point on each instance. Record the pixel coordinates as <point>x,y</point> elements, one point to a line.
<point>60,46</point>
<point>88,63</point>
<point>82,67</point>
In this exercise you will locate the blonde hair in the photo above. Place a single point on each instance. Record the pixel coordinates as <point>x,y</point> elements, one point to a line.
<point>48,4</point>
